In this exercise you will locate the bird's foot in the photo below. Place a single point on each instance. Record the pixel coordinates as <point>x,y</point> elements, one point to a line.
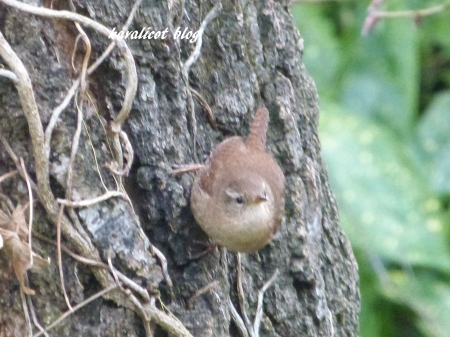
<point>210,247</point>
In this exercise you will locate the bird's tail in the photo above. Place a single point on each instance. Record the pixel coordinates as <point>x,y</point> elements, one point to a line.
<point>257,136</point>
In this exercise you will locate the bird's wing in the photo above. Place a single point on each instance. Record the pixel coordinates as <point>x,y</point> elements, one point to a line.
<point>229,148</point>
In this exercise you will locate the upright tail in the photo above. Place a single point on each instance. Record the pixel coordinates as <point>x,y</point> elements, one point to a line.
<point>258,130</point>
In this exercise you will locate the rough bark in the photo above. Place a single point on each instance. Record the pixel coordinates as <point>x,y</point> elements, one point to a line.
<point>251,55</point>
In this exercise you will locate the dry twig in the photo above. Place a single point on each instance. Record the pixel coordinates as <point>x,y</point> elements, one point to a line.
<point>9,74</point>
<point>259,308</point>
<point>212,119</point>
<point>163,260</point>
<point>190,61</point>
<point>60,108</point>
<point>30,216</point>
<point>60,268</point>
<point>75,308</point>
<point>130,67</point>
<point>196,53</point>
<point>241,296</point>
<point>25,310</point>
<point>90,202</point>
<point>414,13</point>
<point>237,319</point>
<point>40,153</point>
<point>16,161</point>
<point>8,175</point>
<point>99,264</point>
<point>33,316</point>
<point>201,291</point>
<point>374,14</point>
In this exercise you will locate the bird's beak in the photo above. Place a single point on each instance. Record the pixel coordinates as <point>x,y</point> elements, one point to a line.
<point>260,200</point>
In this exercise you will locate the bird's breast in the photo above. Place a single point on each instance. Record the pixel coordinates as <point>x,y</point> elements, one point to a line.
<point>245,231</point>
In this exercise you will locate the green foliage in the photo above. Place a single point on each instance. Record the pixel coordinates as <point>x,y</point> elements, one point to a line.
<point>385,130</point>
<point>432,147</point>
<point>386,207</point>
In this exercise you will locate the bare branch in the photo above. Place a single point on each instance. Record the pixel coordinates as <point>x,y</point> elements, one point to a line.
<point>163,260</point>
<point>41,152</point>
<point>33,316</point>
<point>241,296</point>
<point>196,53</point>
<point>315,1</point>
<point>99,264</point>
<point>58,248</point>
<point>89,202</point>
<point>30,197</point>
<point>191,60</point>
<point>374,14</point>
<point>60,108</point>
<point>201,291</point>
<point>46,196</point>
<point>237,319</point>
<point>259,308</point>
<point>233,312</point>
<point>88,262</point>
<point>130,67</point>
<point>25,311</point>
<point>112,269</point>
<point>9,74</point>
<point>169,323</point>
<point>8,175</point>
<point>55,116</point>
<point>78,306</point>
<point>212,119</point>
<point>74,150</point>
<point>413,13</point>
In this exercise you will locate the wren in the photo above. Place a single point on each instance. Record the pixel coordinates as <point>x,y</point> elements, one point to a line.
<point>238,196</point>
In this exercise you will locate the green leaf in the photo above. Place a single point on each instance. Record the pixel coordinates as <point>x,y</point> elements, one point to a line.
<point>371,320</point>
<point>434,31</point>
<point>381,316</point>
<point>381,76</point>
<point>427,295</point>
<point>320,46</point>
<point>432,148</point>
<point>386,208</point>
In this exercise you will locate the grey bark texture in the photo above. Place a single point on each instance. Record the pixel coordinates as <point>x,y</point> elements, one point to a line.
<point>251,56</point>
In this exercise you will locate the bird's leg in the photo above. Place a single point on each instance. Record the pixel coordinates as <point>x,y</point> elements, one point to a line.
<point>187,168</point>
<point>210,247</point>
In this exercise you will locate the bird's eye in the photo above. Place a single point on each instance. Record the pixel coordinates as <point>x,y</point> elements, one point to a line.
<point>239,200</point>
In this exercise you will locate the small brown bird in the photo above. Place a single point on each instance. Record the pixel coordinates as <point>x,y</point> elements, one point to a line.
<point>238,197</point>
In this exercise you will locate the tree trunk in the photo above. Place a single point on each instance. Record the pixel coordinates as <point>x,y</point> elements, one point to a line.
<point>250,56</point>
